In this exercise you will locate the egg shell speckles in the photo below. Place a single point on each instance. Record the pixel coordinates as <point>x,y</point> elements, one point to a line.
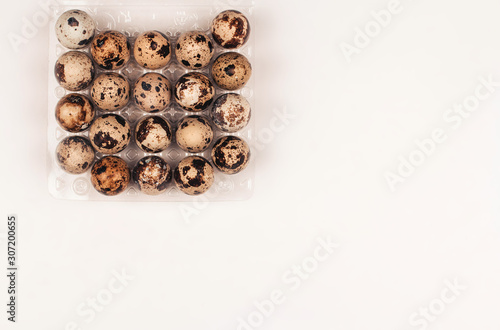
<point>194,50</point>
<point>75,155</point>
<point>230,29</point>
<point>75,112</point>
<point>231,71</point>
<point>153,134</point>
<point>110,50</point>
<point>152,92</point>
<point>75,29</point>
<point>74,71</point>
<point>194,134</point>
<point>230,154</point>
<point>231,112</point>
<point>110,175</point>
<point>152,50</point>
<point>194,92</point>
<point>152,174</point>
<point>194,175</point>
<point>110,91</point>
<point>109,134</point>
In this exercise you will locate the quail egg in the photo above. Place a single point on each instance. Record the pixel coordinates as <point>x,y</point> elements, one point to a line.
<point>74,71</point>
<point>75,29</point>
<point>194,50</point>
<point>110,50</point>
<point>75,154</point>
<point>109,134</point>
<point>152,92</point>
<point>152,50</point>
<point>231,71</point>
<point>231,112</point>
<point>110,91</point>
<point>110,175</point>
<point>194,92</point>
<point>75,112</point>
<point>152,174</point>
<point>153,134</point>
<point>230,154</point>
<point>194,175</point>
<point>230,29</point>
<point>194,134</point>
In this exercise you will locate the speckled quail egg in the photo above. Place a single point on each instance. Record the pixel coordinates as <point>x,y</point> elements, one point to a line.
<point>110,91</point>
<point>194,134</point>
<point>110,50</point>
<point>75,112</point>
<point>231,71</point>
<point>230,154</point>
<point>109,134</point>
<point>194,175</point>
<point>110,175</point>
<point>152,174</point>
<point>230,29</point>
<point>152,92</point>
<point>231,112</point>
<point>74,71</point>
<point>194,91</point>
<point>152,50</point>
<point>153,134</point>
<point>75,154</point>
<point>194,50</point>
<point>75,29</point>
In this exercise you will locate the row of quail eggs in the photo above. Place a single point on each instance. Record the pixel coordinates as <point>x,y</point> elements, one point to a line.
<point>109,92</point>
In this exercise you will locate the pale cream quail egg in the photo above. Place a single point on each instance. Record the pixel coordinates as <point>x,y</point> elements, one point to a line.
<point>194,134</point>
<point>231,112</point>
<point>75,29</point>
<point>194,92</point>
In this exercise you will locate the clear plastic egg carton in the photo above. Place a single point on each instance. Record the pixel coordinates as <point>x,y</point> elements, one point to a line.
<point>133,18</point>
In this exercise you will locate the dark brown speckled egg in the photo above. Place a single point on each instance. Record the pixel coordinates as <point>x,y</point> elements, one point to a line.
<point>75,155</point>
<point>74,71</point>
<point>230,154</point>
<point>110,50</point>
<point>230,29</point>
<point>75,112</point>
<point>194,175</point>
<point>153,134</point>
<point>109,134</point>
<point>152,50</point>
<point>194,50</point>
<point>110,175</point>
<point>110,91</point>
<point>231,71</point>
<point>194,92</point>
<point>152,92</point>
<point>152,174</point>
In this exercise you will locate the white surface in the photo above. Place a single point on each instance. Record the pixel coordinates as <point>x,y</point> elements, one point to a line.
<point>322,175</point>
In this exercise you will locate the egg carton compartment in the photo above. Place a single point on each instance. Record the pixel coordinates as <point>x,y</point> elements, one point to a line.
<point>132,19</point>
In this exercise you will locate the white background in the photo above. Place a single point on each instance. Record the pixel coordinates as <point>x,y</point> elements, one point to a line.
<point>321,176</point>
